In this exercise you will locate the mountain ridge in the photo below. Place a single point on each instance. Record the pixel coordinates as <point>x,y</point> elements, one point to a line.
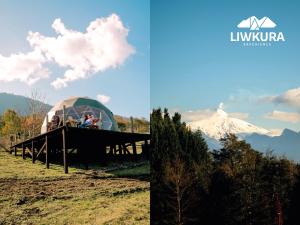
<point>18,103</point>
<point>217,125</point>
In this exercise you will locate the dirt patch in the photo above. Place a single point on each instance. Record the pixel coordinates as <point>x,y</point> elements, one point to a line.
<point>22,196</point>
<point>32,211</point>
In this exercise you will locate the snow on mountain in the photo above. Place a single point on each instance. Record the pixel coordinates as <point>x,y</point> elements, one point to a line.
<point>219,123</point>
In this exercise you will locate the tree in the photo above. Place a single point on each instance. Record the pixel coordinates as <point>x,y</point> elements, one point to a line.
<point>178,160</point>
<point>11,123</point>
<point>293,210</point>
<point>278,179</point>
<point>179,180</point>
<point>240,167</point>
<point>122,126</point>
<point>234,185</point>
<point>1,123</point>
<point>37,111</point>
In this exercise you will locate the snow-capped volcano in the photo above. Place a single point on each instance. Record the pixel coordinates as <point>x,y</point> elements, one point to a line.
<point>219,123</point>
<point>216,124</point>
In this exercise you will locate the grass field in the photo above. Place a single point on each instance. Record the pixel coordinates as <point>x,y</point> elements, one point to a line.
<point>31,194</point>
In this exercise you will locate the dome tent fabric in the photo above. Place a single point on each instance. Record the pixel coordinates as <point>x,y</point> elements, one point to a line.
<point>77,107</point>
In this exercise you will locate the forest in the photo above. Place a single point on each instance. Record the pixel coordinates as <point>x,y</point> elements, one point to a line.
<point>235,185</point>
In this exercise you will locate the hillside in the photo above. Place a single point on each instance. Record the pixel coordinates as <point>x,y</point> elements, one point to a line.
<point>17,102</point>
<point>288,143</point>
<point>110,195</point>
<point>20,104</point>
<point>115,194</point>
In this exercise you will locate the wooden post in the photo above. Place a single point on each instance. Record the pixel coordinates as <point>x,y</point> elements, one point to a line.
<point>120,149</point>
<point>47,151</point>
<point>47,123</point>
<point>32,149</point>
<point>145,143</point>
<point>134,148</point>
<point>111,150</point>
<point>146,150</point>
<point>11,143</point>
<point>131,121</point>
<point>123,149</point>
<point>23,151</point>
<point>65,150</point>
<point>64,115</point>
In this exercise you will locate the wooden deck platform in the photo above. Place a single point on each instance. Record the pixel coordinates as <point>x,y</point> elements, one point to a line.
<point>100,145</point>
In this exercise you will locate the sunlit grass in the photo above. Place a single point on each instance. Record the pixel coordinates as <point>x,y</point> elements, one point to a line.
<point>135,171</point>
<point>16,167</point>
<point>32,194</point>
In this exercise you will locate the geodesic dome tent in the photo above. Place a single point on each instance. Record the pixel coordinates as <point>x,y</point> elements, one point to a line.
<point>77,107</point>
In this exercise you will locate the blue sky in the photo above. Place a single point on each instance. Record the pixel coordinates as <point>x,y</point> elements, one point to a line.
<point>127,85</point>
<point>194,65</point>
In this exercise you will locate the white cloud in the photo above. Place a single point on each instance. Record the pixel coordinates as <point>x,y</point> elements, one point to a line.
<point>23,67</point>
<point>196,115</point>
<point>291,117</point>
<point>103,98</point>
<point>102,46</point>
<point>202,114</point>
<point>290,97</point>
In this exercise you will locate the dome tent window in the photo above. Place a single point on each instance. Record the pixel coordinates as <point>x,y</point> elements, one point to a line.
<point>77,107</point>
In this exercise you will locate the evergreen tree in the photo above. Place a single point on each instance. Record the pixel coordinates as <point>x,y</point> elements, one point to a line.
<point>234,185</point>
<point>178,157</point>
<point>293,210</point>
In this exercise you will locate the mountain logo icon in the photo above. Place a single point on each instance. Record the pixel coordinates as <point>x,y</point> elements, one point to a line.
<point>255,24</point>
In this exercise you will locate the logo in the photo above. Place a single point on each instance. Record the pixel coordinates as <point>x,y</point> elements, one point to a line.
<point>255,24</point>
<point>256,37</point>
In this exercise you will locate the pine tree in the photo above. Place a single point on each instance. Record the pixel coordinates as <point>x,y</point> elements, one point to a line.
<point>177,163</point>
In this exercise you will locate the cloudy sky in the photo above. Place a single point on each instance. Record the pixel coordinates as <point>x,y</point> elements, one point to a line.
<point>99,49</point>
<point>196,67</point>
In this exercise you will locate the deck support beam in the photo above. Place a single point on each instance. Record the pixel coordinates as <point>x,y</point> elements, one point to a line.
<point>65,150</point>
<point>23,151</point>
<point>62,141</point>
<point>134,148</point>
<point>32,151</point>
<point>146,150</point>
<point>41,150</point>
<point>47,151</point>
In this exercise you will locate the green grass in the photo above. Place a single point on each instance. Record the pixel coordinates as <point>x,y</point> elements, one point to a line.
<point>135,171</point>
<point>15,167</point>
<point>32,194</point>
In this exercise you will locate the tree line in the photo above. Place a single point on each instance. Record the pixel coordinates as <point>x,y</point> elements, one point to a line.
<point>235,185</point>
<point>24,124</point>
<point>137,125</point>
<point>17,125</point>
